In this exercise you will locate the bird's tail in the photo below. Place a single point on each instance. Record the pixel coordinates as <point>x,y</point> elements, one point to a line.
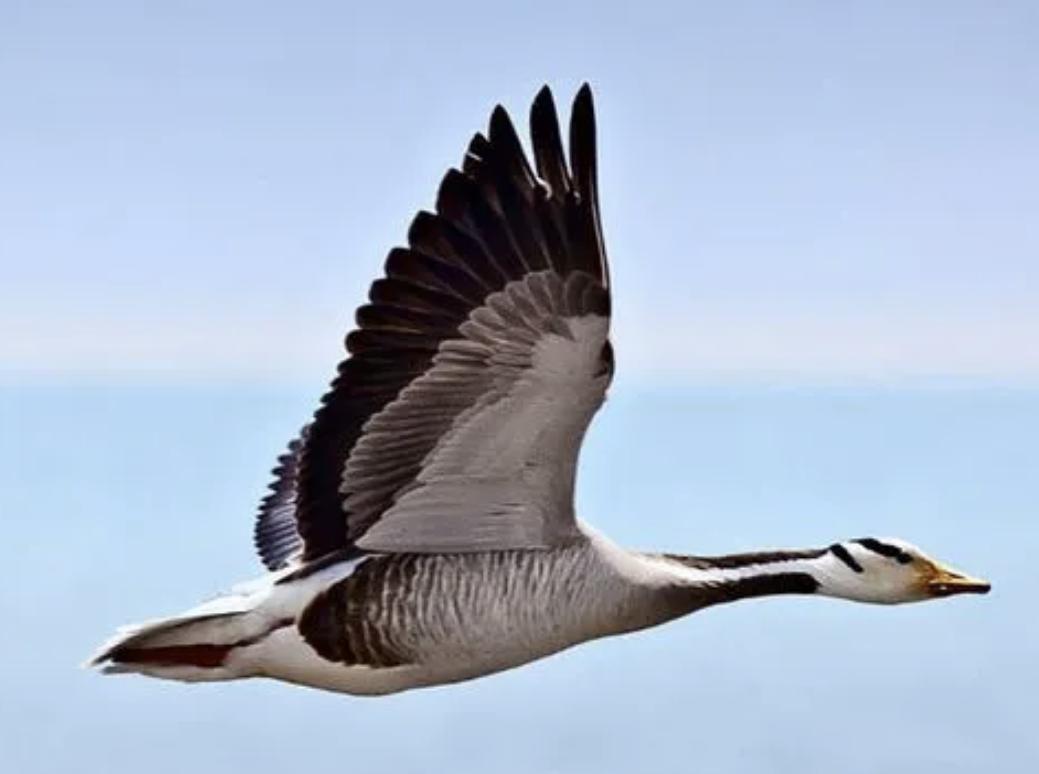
<point>206,643</point>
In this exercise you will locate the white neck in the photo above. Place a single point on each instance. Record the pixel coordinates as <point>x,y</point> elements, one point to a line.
<point>810,571</point>
<point>725,578</point>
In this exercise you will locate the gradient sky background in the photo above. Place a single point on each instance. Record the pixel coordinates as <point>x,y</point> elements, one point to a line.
<point>822,225</point>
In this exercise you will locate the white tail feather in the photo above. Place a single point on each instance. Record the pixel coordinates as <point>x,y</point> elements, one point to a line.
<point>220,639</point>
<point>205,635</point>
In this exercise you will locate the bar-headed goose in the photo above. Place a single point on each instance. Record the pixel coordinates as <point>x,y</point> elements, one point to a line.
<point>421,529</point>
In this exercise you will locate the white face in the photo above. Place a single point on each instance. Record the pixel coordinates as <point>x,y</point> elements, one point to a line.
<point>889,571</point>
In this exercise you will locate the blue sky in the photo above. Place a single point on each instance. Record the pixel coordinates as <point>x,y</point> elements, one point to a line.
<point>833,191</point>
<point>820,216</point>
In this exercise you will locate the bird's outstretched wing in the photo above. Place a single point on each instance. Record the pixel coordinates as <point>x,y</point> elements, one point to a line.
<point>474,370</point>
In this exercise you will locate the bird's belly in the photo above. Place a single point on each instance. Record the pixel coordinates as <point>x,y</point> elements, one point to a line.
<point>286,655</point>
<point>401,622</point>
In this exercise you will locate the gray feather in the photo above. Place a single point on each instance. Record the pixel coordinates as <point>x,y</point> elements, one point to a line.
<point>509,404</point>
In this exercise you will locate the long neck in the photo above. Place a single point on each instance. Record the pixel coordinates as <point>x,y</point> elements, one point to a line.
<point>699,581</point>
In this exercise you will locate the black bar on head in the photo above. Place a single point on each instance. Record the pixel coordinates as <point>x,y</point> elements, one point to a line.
<point>891,552</point>
<point>845,556</point>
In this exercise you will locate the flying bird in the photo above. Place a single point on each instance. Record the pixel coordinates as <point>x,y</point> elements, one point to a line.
<point>421,530</point>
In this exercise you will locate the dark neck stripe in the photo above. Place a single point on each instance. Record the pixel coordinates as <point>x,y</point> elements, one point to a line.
<point>891,552</point>
<point>736,561</point>
<point>764,585</point>
<point>843,554</point>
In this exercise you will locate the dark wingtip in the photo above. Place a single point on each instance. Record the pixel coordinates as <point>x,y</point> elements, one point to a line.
<point>582,118</point>
<point>543,111</point>
<point>547,143</point>
<point>585,176</point>
<point>583,109</point>
<point>582,142</point>
<point>421,227</point>
<point>499,118</point>
<point>453,193</point>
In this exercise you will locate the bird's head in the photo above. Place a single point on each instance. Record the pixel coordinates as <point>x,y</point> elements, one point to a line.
<point>889,571</point>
